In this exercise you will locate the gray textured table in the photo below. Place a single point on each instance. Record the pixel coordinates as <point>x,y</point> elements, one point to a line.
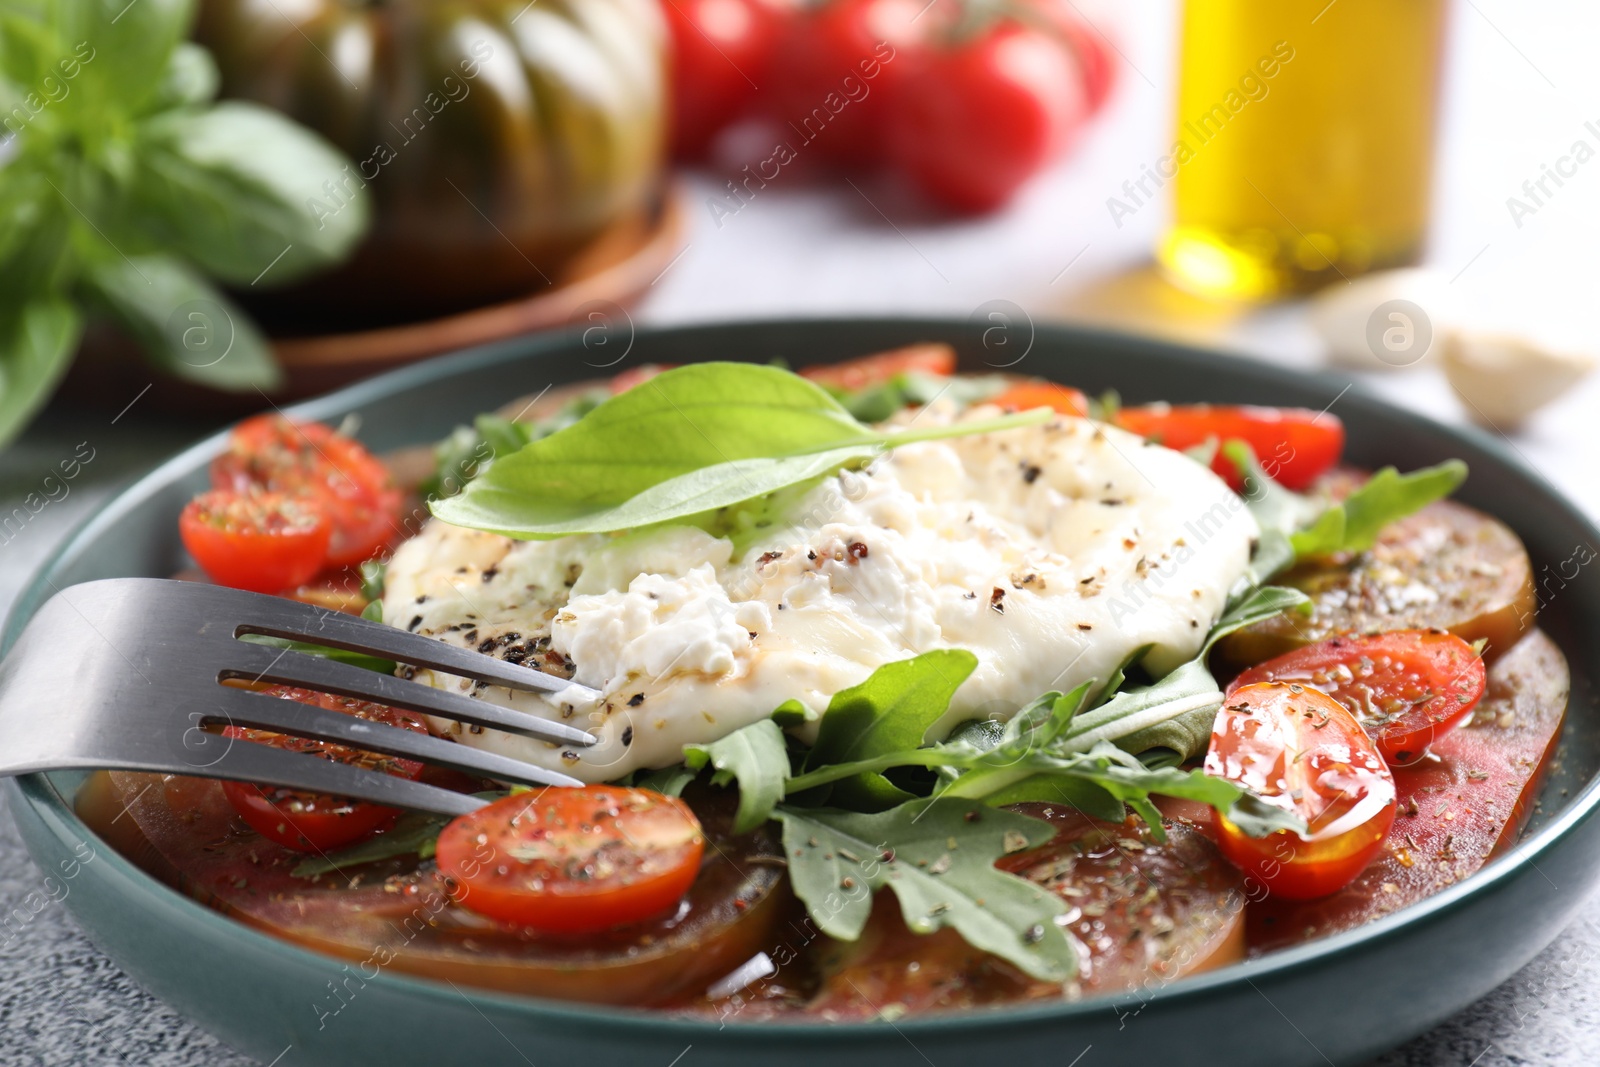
<point>1520,88</point>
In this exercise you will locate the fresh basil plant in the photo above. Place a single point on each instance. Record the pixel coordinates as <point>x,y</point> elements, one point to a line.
<point>126,190</point>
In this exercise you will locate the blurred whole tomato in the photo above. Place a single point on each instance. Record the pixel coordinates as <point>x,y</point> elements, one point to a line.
<point>964,99</point>
<point>982,114</point>
<point>721,55</point>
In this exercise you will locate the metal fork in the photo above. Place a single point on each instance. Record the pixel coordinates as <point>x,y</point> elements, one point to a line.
<point>128,673</point>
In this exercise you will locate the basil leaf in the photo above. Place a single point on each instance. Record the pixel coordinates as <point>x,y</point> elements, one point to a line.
<point>1354,524</point>
<point>36,345</point>
<point>690,440</point>
<point>191,78</point>
<point>239,189</point>
<point>889,712</point>
<point>938,858</point>
<point>758,758</point>
<point>123,49</point>
<point>183,324</point>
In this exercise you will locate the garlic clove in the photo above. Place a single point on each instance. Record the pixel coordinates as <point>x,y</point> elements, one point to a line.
<point>1381,322</point>
<point>1502,379</point>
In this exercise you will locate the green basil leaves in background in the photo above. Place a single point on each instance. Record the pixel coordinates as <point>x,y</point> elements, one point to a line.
<point>123,188</point>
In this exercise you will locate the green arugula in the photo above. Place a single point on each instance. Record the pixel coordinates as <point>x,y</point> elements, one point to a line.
<point>937,856</point>
<point>123,186</point>
<point>414,833</point>
<point>889,712</point>
<point>691,440</point>
<point>1301,527</point>
<point>363,660</point>
<point>757,757</point>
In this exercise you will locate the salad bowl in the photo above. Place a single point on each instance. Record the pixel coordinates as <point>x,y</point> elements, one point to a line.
<point>1338,1000</point>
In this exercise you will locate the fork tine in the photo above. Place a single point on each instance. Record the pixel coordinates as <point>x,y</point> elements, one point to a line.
<point>247,761</point>
<point>262,663</point>
<point>241,707</point>
<point>289,619</point>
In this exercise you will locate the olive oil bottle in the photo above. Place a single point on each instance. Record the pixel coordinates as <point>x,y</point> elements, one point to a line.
<point>1304,141</point>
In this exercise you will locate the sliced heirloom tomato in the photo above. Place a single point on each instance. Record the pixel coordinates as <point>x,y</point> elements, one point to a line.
<point>260,541</point>
<point>1295,446</point>
<point>310,822</point>
<point>398,913</point>
<point>1465,805</point>
<point>1447,567</point>
<point>863,372</point>
<point>1299,748</point>
<point>1407,689</point>
<point>575,860</point>
<point>325,469</point>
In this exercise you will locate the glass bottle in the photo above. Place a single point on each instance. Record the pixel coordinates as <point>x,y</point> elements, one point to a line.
<point>1304,141</point>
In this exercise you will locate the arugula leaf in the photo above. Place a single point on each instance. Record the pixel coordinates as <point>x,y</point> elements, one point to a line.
<point>1296,526</point>
<point>1033,729</point>
<point>758,758</point>
<point>890,711</point>
<point>690,440</point>
<point>184,325</point>
<point>239,189</point>
<point>376,664</point>
<point>414,833</point>
<point>938,857</point>
<point>1354,524</point>
<point>669,781</point>
<point>374,573</point>
<point>36,344</point>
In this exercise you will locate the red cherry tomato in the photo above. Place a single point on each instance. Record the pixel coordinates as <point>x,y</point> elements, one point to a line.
<point>1038,393</point>
<point>312,461</point>
<point>976,119</point>
<point>1089,44</point>
<point>835,75</point>
<point>264,542</point>
<point>1300,749</point>
<point>574,860</point>
<point>863,372</point>
<point>1406,689</point>
<point>633,376</point>
<point>307,822</point>
<point>1294,446</point>
<point>721,53</point>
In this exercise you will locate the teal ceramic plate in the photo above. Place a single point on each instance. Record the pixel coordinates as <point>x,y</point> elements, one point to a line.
<point>1339,1000</point>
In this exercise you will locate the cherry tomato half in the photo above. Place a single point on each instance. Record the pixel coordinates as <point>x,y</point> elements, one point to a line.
<point>721,50</point>
<point>313,461</point>
<point>1038,393</point>
<point>573,860</point>
<point>264,542</point>
<point>1293,445</point>
<point>864,372</point>
<point>1406,689</point>
<point>1300,749</point>
<point>308,822</point>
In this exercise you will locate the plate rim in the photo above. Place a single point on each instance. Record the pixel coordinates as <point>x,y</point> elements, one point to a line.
<point>56,812</point>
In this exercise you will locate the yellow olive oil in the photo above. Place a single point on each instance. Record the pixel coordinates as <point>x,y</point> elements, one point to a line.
<point>1303,146</point>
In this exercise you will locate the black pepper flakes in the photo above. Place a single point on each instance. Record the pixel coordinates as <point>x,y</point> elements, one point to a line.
<point>416,621</point>
<point>997,598</point>
<point>635,700</point>
<point>627,735</point>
